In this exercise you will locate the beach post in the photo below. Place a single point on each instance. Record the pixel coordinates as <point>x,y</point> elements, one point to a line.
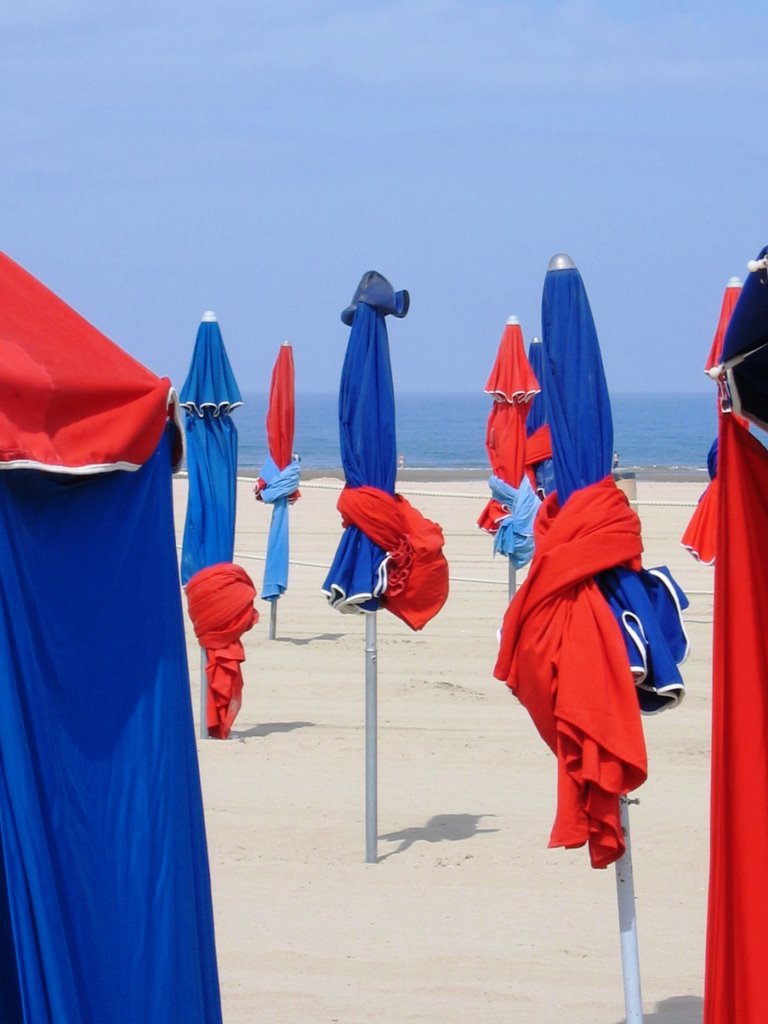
<point>371,782</point>
<point>512,584</point>
<point>272,620</point>
<point>625,892</point>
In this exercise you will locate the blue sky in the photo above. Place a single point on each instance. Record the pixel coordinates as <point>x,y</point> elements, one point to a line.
<point>161,159</point>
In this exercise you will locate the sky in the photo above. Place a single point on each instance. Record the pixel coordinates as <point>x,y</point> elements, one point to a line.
<point>256,158</point>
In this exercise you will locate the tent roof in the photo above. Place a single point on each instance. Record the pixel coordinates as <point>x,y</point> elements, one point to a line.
<point>71,400</point>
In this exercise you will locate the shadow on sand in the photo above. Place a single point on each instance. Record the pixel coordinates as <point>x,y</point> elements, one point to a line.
<point>675,1010</point>
<point>303,641</point>
<point>269,727</point>
<point>439,829</point>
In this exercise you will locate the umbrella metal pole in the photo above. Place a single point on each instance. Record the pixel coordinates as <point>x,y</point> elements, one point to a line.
<point>512,587</point>
<point>371,810</point>
<point>203,695</point>
<point>272,620</point>
<point>625,891</point>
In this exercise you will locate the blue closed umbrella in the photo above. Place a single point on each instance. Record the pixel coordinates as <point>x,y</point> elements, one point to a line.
<point>357,578</point>
<point>537,418</point>
<point>209,395</point>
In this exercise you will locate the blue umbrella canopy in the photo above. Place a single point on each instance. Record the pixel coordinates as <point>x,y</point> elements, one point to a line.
<point>646,604</point>
<point>745,348</point>
<point>367,436</point>
<point>537,417</point>
<point>209,395</point>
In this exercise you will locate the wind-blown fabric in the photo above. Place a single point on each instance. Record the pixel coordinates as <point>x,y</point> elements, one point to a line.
<point>209,395</point>
<point>71,401</point>
<point>509,516</point>
<point>414,571</point>
<point>564,658</point>
<point>736,982</point>
<point>220,602</point>
<point>105,912</point>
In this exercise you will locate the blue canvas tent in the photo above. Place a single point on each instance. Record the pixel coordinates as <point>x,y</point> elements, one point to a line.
<point>105,904</point>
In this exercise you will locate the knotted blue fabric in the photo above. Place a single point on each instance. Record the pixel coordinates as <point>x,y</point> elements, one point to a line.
<point>281,484</point>
<point>514,537</point>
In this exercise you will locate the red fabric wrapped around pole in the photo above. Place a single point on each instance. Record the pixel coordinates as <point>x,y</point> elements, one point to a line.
<point>563,656</point>
<point>736,980</point>
<point>220,602</point>
<point>417,572</point>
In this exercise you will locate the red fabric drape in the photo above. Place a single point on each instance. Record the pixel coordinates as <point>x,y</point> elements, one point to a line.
<point>220,602</point>
<point>700,535</point>
<point>417,572</point>
<point>538,447</point>
<point>736,983</point>
<point>281,414</point>
<point>563,656</point>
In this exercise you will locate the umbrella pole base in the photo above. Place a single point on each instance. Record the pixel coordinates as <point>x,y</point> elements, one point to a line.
<point>371,780</point>
<point>625,892</point>
<point>272,620</point>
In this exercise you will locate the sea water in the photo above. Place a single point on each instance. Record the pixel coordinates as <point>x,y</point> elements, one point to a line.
<point>672,432</point>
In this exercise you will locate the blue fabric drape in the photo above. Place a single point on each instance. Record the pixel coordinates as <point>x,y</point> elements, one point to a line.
<point>545,470</point>
<point>103,863</point>
<point>747,338</point>
<point>367,437</point>
<point>574,387</point>
<point>280,486</point>
<point>209,394</point>
<point>514,537</point>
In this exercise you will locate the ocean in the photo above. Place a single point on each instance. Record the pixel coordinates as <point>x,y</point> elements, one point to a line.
<point>663,432</point>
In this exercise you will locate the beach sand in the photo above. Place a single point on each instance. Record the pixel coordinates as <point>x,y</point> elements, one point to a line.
<point>467,916</point>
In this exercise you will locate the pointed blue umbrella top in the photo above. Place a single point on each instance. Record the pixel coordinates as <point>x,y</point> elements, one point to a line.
<point>536,412</point>
<point>573,382</point>
<point>210,385</point>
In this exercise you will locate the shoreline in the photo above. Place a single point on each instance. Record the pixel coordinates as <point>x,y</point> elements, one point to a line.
<point>423,474</point>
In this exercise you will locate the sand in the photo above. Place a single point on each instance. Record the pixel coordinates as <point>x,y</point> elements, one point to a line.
<point>467,916</point>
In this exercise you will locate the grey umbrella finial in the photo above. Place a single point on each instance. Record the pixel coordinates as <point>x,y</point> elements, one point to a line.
<point>535,340</point>
<point>209,317</point>
<point>734,282</point>
<point>561,261</point>
<point>512,320</point>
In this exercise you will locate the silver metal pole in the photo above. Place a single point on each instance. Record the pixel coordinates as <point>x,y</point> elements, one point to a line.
<point>625,891</point>
<point>203,695</point>
<point>272,619</point>
<point>512,587</point>
<point>371,809</point>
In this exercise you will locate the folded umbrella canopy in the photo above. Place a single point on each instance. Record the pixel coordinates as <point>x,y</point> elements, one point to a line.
<point>538,452</point>
<point>509,514</point>
<point>389,556</point>
<point>278,482</point>
<point>105,902</point>
<point>736,984</point>
<point>210,393</point>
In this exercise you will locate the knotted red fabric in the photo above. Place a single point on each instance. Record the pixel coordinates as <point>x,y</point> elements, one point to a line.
<point>220,602</point>
<point>417,572</point>
<point>538,447</point>
<point>563,656</point>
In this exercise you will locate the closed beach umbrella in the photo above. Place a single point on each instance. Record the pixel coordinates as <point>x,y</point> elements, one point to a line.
<point>562,652</point>
<point>509,514</point>
<point>278,481</point>
<point>736,983</point>
<point>389,555</point>
<point>538,451</point>
<point>209,394</point>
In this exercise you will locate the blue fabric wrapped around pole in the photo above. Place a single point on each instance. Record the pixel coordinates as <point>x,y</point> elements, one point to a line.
<point>367,437</point>
<point>105,882</point>
<point>514,537</point>
<point>280,486</point>
<point>209,394</point>
<point>647,605</point>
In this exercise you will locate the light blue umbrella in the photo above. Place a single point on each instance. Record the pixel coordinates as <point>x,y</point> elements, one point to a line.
<point>208,396</point>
